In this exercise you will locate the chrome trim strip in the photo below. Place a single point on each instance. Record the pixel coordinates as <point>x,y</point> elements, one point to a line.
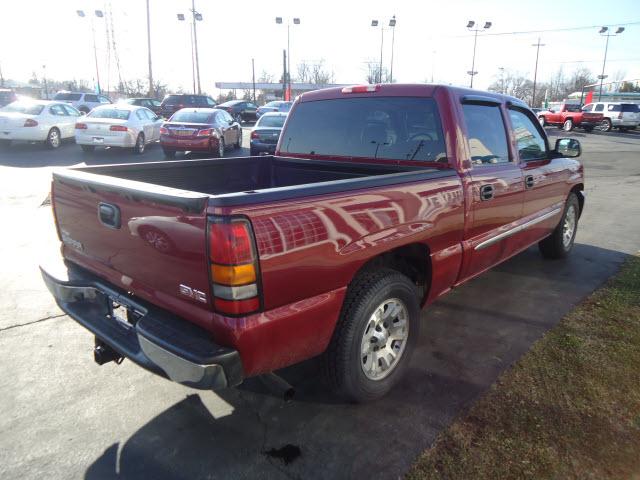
<point>519,228</point>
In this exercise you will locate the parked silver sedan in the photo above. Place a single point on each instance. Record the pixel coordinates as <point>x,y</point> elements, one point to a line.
<point>118,125</point>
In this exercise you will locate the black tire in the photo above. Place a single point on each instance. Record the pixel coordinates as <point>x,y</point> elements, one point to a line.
<point>555,246</point>
<point>5,143</point>
<point>606,125</point>
<point>54,140</point>
<point>220,148</point>
<point>343,360</point>
<point>542,120</point>
<point>567,126</point>
<point>238,143</point>
<point>169,154</point>
<point>140,145</point>
<point>87,148</point>
<point>84,110</point>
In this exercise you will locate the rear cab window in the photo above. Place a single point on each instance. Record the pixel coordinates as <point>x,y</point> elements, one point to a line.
<point>392,128</point>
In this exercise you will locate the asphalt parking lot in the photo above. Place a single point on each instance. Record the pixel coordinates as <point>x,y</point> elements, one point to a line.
<point>65,417</point>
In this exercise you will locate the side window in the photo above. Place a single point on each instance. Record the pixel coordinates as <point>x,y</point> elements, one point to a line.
<point>140,114</point>
<point>57,110</point>
<point>614,108</point>
<point>486,133</point>
<point>71,111</point>
<point>531,144</point>
<point>226,117</point>
<point>210,102</point>
<point>90,98</point>
<point>599,108</point>
<point>587,108</point>
<point>150,115</point>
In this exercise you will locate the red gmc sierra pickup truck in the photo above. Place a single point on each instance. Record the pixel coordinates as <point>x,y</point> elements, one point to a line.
<point>378,200</point>
<point>570,115</point>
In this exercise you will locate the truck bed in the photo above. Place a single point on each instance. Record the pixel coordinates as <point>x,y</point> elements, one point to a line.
<point>243,180</point>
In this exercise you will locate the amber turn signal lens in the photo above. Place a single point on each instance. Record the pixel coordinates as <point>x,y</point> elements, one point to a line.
<point>233,274</point>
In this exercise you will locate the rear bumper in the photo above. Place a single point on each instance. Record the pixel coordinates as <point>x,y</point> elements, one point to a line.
<point>126,141</point>
<point>25,134</point>
<point>203,144</point>
<point>258,147</point>
<point>158,341</point>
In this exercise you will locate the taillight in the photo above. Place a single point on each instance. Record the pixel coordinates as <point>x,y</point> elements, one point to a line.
<point>234,267</point>
<point>164,131</point>
<point>118,128</point>
<point>81,126</point>
<point>255,134</point>
<point>30,122</point>
<point>361,88</point>
<point>207,132</point>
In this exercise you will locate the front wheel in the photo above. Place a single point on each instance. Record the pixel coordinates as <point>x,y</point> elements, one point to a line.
<point>139,147</point>
<point>567,126</point>
<point>560,242</point>
<point>606,125</point>
<point>374,337</point>
<point>53,140</point>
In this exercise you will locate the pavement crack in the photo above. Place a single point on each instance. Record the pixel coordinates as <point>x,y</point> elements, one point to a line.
<point>31,323</point>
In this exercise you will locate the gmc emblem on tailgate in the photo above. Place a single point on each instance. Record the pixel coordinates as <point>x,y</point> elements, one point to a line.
<point>192,293</point>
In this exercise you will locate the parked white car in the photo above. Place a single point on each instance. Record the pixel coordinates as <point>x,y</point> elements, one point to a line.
<point>37,121</point>
<point>623,116</point>
<point>85,102</point>
<point>118,125</point>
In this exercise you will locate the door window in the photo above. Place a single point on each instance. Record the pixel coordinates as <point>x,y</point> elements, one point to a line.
<point>91,98</point>
<point>140,114</point>
<point>71,111</point>
<point>103,99</point>
<point>210,102</point>
<point>599,108</point>
<point>57,110</point>
<point>530,142</point>
<point>486,133</point>
<point>587,108</point>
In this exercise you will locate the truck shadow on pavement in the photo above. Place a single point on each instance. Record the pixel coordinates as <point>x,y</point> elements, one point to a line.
<point>467,339</point>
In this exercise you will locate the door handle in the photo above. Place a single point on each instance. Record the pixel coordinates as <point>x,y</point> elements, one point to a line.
<point>109,215</point>
<point>486,192</point>
<point>529,182</point>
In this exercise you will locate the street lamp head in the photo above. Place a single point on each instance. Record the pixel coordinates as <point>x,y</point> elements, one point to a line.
<point>487,25</point>
<point>392,22</point>
<point>604,30</point>
<point>99,14</point>
<point>471,24</point>
<point>374,23</point>
<point>80,13</point>
<point>278,20</point>
<point>197,16</point>
<point>296,21</point>
<point>181,17</point>
<point>620,30</point>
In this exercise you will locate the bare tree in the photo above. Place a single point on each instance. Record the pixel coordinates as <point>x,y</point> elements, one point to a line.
<point>315,73</point>
<point>372,71</point>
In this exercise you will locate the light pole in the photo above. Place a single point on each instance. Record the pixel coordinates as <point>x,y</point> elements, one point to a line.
<point>470,25</point>
<point>197,17</point>
<point>535,72</point>
<point>604,32</point>
<point>98,13</point>
<point>151,93</point>
<point>181,18</point>
<point>392,24</point>
<point>287,79</point>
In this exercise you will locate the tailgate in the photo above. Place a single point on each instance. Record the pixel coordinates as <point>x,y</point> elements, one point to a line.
<point>146,239</point>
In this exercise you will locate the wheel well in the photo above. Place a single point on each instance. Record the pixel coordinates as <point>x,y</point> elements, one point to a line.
<point>412,260</point>
<point>578,189</point>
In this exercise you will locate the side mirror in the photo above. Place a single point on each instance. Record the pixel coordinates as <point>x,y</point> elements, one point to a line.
<point>568,147</point>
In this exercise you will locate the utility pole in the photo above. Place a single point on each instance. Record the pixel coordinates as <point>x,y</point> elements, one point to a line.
<point>196,16</point>
<point>535,72</point>
<point>253,78</point>
<point>151,92</point>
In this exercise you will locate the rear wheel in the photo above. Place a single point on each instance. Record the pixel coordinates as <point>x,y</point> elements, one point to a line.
<point>606,125</point>
<point>238,143</point>
<point>87,148</point>
<point>53,139</point>
<point>139,147</point>
<point>170,154</point>
<point>374,337</point>
<point>560,242</point>
<point>220,148</point>
<point>567,126</point>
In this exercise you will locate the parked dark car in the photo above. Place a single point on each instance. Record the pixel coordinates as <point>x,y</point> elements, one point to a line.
<point>266,133</point>
<point>150,103</point>
<point>241,110</point>
<point>275,106</point>
<point>174,102</point>
<point>200,130</point>
<point>7,96</point>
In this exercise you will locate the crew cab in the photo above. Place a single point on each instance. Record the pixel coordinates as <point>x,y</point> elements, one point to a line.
<point>378,200</point>
<point>568,116</point>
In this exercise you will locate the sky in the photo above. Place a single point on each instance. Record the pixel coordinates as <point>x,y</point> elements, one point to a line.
<point>431,39</point>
